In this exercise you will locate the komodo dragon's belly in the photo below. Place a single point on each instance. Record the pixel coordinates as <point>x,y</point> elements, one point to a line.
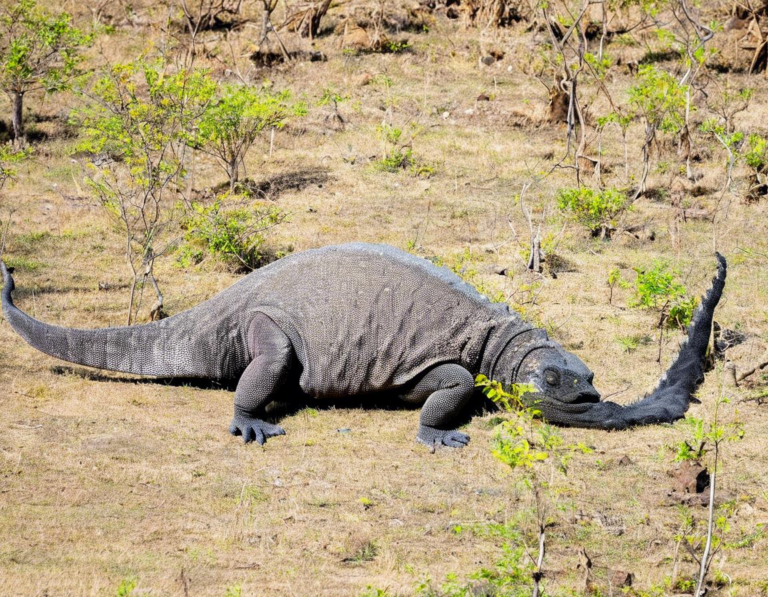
<point>365,319</point>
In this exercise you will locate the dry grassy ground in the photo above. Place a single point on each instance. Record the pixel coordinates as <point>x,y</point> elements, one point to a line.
<point>104,478</point>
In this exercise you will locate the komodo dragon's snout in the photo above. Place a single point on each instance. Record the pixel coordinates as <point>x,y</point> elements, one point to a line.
<point>359,319</point>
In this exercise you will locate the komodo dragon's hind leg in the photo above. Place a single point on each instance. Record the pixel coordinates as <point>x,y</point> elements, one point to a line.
<point>273,357</point>
<point>447,388</point>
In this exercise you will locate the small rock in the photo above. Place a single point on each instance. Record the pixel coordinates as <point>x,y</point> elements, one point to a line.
<point>625,461</point>
<point>619,578</point>
<point>689,477</point>
<point>364,79</point>
<point>680,185</point>
<point>344,430</point>
<point>487,60</point>
<point>483,98</point>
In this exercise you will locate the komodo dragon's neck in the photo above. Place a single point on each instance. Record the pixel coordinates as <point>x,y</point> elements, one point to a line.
<point>507,346</point>
<point>195,343</point>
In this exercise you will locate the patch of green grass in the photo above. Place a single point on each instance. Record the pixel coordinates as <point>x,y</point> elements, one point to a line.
<point>366,552</point>
<point>253,494</point>
<point>25,264</point>
<point>633,342</point>
<point>65,172</point>
<point>31,238</point>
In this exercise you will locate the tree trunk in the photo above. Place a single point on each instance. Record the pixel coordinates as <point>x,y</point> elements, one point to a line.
<point>650,134</point>
<point>233,174</point>
<point>18,125</point>
<point>316,16</point>
<point>264,28</point>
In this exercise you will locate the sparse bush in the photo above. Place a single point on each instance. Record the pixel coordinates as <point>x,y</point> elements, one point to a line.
<point>397,151</point>
<point>598,211</point>
<point>235,234</point>
<point>756,153</point>
<point>38,52</point>
<point>333,99</point>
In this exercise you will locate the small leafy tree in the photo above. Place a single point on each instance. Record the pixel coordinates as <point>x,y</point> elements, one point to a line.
<point>660,100</point>
<point>333,99</point>
<point>538,450</point>
<point>598,211</point>
<point>657,288</point>
<point>234,120</point>
<point>729,140</point>
<point>38,51</point>
<point>707,439</point>
<point>622,121</point>
<point>144,119</point>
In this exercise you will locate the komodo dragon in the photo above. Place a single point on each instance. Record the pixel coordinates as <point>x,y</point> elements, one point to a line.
<point>357,319</point>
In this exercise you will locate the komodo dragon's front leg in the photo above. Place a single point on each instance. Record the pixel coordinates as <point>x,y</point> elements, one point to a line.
<point>446,389</point>
<point>273,360</point>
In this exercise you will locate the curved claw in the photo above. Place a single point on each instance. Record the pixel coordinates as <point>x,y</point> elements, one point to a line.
<point>253,429</point>
<point>431,436</point>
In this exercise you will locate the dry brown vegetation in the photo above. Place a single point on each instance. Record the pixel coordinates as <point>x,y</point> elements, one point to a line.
<point>107,480</point>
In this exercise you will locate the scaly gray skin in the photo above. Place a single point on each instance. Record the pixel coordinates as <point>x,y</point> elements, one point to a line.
<point>359,319</point>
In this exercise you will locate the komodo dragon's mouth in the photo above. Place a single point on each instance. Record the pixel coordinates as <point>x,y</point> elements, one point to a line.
<point>580,404</point>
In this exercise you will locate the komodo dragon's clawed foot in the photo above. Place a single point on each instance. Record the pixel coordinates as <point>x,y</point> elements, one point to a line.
<point>442,437</point>
<point>254,429</point>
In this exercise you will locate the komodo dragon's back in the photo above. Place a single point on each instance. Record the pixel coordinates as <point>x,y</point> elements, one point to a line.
<point>364,318</point>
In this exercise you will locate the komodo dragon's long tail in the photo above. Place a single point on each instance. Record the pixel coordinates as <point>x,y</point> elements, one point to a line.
<point>157,348</point>
<point>670,400</point>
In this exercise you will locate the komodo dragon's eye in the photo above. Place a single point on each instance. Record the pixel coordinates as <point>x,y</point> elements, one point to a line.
<point>552,377</point>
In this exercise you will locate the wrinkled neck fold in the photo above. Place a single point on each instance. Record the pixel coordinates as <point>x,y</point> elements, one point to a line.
<point>507,348</point>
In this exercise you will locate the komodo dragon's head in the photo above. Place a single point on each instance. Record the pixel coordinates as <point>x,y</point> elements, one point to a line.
<point>561,383</point>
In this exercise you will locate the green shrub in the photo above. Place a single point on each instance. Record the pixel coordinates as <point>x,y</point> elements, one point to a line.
<point>234,234</point>
<point>126,587</point>
<point>756,153</point>
<point>657,288</point>
<point>396,155</point>
<point>598,211</point>
<point>8,157</point>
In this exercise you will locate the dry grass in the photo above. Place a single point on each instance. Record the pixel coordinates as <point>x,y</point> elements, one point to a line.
<point>106,479</point>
